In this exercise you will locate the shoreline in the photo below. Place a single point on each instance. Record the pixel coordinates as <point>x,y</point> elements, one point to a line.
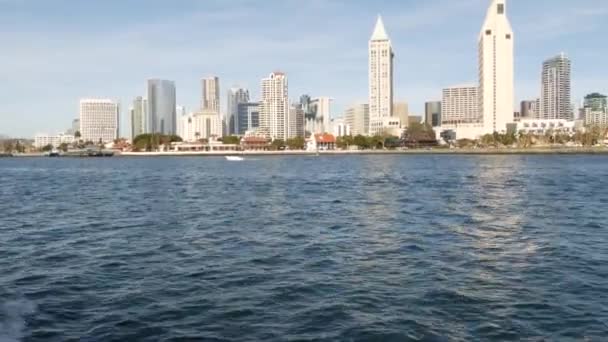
<point>484,151</point>
<point>506,151</point>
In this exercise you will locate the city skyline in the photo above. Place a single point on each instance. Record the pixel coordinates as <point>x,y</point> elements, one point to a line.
<point>429,59</point>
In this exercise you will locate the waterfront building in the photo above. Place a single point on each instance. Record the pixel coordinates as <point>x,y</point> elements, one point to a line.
<point>201,125</point>
<point>555,89</point>
<point>75,126</point>
<point>321,142</point>
<point>596,102</point>
<point>310,117</point>
<point>530,109</point>
<point>320,108</point>
<point>595,110</point>
<point>340,128</point>
<point>357,118</point>
<point>495,69</point>
<point>99,120</point>
<point>460,105</point>
<point>255,141</point>
<point>432,113</point>
<point>42,140</point>
<point>516,116</point>
<point>248,117</point>
<point>138,114</point>
<point>180,111</point>
<point>544,126</point>
<point>381,58</point>
<point>401,111</point>
<point>146,114</point>
<point>209,146</point>
<point>236,96</point>
<point>295,122</point>
<point>274,106</point>
<point>209,125</point>
<point>161,117</point>
<point>317,114</point>
<point>595,118</point>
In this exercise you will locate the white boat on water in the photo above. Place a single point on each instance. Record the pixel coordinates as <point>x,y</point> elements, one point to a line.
<point>234,158</point>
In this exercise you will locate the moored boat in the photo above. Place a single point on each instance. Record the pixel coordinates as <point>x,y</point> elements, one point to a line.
<point>234,158</point>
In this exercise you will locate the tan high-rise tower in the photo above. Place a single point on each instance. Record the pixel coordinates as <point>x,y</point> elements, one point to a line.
<point>210,99</point>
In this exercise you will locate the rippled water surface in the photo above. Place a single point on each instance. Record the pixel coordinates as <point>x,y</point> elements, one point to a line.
<point>378,248</point>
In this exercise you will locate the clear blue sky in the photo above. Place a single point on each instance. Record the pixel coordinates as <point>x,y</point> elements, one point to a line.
<point>54,52</point>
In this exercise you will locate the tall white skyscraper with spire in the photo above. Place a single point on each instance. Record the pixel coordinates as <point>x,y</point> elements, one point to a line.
<point>496,69</point>
<point>380,79</point>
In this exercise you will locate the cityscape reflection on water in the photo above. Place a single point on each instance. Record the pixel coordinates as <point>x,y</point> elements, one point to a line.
<point>326,248</point>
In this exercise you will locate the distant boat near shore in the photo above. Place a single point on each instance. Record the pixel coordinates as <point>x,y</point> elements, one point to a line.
<point>88,153</point>
<point>234,158</point>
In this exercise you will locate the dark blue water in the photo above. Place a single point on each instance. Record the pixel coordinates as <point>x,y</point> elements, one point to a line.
<point>378,248</point>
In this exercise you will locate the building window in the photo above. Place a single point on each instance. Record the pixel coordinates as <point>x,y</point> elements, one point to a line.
<point>501,8</point>
<point>488,32</point>
<point>508,36</point>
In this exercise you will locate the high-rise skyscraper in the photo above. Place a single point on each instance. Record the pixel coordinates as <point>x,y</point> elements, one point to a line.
<point>496,69</point>
<point>595,110</point>
<point>138,112</point>
<point>380,79</point>
<point>309,115</point>
<point>248,117</point>
<point>180,111</point>
<point>210,99</point>
<point>201,125</point>
<point>530,109</point>
<point>75,127</point>
<point>460,105</point>
<point>162,117</point>
<point>295,122</point>
<point>357,118</point>
<point>555,89</point>
<point>339,128</point>
<point>274,106</point>
<point>321,109</point>
<point>432,113</point>
<point>236,96</point>
<point>99,120</point>
<point>401,110</point>
<point>596,102</point>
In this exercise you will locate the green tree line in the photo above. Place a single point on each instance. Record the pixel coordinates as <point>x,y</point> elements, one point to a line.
<point>151,142</point>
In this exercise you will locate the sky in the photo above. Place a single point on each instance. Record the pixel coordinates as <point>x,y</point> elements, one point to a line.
<point>54,52</point>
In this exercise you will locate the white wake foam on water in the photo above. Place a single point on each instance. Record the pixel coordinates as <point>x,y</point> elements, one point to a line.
<point>12,319</point>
